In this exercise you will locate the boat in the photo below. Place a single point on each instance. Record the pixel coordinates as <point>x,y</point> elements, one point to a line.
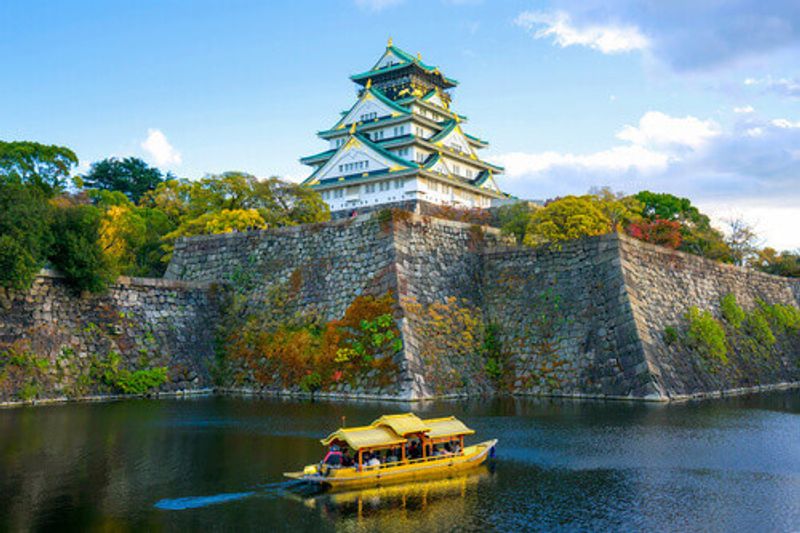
<point>395,448</point>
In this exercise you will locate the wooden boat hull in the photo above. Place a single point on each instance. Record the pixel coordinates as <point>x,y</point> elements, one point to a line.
<point>347,478</point>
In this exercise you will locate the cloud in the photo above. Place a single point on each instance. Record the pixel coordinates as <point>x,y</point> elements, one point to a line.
<point>754,161</point>
<point>651,145</point>
<point>685,35</point>
<point>160,150</point>
<point>743,109</point>
<point>608,39</point>
<point>377,5</point>
<point>781,86</point>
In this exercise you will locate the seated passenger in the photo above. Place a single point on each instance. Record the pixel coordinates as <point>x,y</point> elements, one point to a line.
<point>347,460</point>
<point>373,461</point>
<point>333,458</point>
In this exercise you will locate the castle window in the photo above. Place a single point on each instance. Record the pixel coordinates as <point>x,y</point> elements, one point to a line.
<point>398,184</point>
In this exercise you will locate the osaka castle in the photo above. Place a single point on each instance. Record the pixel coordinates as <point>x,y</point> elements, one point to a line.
<point>402,144</point>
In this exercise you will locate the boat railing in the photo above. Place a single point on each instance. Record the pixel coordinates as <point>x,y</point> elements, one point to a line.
<point>419,460</point>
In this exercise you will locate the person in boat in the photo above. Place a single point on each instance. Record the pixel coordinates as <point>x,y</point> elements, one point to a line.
<point>414,450</point>
<point>373,461</point>
<point>347,459</point>
<point>334,458</point>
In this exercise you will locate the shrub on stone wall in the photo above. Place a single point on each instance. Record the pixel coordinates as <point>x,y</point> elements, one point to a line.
<point>268,348</point>
<point>706,335</point>
<point>459,352</point>
<point>753,336</point>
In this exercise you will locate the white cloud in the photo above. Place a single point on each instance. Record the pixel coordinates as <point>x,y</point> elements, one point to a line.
<point>660,130</point>
<point>783,86</point>
<point>743,109</point>
<point>753,162</point>
<point>657,140</point>
<point>784,123</point>
<point>160,150</point>
<point>608,39</point>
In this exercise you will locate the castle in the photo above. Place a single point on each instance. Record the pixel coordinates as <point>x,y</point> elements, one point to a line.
<point>401,144</point>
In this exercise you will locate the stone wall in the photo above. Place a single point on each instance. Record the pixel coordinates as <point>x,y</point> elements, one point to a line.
<point>326,265</point>
<point>586,319</point>
<point>565,321</point>
<point>148,322</point>
<point>662,285</point>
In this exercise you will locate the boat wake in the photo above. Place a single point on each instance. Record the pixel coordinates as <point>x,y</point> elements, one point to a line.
<point>196,502</point>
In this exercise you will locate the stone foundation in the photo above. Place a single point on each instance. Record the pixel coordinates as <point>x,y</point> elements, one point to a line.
<point>586,320</point>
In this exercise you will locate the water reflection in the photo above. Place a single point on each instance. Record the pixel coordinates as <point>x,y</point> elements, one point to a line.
<point>427,505</point>
<point>217,463</point>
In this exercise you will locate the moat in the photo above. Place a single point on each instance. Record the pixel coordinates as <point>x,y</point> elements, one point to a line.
<point>216,463</point>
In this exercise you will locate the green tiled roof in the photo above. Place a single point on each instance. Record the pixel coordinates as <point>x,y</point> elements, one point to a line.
<point>378,95</point>
<point>327,154</point>
<point>407,60</point>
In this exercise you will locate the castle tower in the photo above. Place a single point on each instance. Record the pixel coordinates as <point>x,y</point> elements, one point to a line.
<point>402,145</point>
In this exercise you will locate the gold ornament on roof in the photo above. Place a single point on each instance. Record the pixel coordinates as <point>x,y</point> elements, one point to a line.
<point>389,42</point>
<point>419,56</point>
<point>353,129</point>
<point>369,83</point>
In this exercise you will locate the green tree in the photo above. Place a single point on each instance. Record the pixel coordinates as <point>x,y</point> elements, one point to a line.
<point>567,218</point>
<point>25,231</point>
<point>513,219</point>
<point>771,261</point>
<point>130,176</point>
<point>77,252</point>
<point>44,166</point>
<point>697,235</point>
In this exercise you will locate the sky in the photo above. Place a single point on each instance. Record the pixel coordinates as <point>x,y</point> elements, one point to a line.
<point>699,99</point>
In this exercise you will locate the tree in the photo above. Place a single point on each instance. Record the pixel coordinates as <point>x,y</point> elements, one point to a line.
<point>130,176</point>
<point>742,240</point>
<point>513,219</point>
<point>697,235</point>
<point>25,233</point>
<point>567,218</point>
<point>44,166</point>
<point>781,264</point>
<point>77,251</point>
<point>279,203</point>
<point>621,210</point>
<point>661,232</point>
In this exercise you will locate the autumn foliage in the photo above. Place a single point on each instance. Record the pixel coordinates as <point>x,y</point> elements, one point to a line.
<point>659,231</point>
<point>313,355</point>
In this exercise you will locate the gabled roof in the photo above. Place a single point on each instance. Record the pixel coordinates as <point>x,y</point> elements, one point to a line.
<point>322,156</point>
<point>364,437</point>
<point>403,424</point>
<point>405,60</point>
<point>366,95</point>
<point>485,180</point>
<point>353,142</point>
<point>382,432</point>
<point>447,427</point>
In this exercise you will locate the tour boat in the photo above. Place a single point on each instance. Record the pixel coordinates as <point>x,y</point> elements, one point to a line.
<point>395,448</point>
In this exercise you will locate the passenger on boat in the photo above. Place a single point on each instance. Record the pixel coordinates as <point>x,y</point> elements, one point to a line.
<point>373,461</point>
<point>347,459</point>
<point>334,458</point>
<point>414,450</point>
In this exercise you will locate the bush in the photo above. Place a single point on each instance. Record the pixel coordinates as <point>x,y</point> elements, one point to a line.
<point>731,310</point>
<point>124,381</point>
<point>18,267</point>
<point>25,231</point>
<point>706,335</point>
<point>784,318</point>
<point>76,252</point>
<point>756,326</point>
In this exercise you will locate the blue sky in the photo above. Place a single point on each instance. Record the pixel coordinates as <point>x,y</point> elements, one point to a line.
<point>700,99</point>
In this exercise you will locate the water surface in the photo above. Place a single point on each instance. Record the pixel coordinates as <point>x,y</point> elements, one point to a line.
<point>216,464</point>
